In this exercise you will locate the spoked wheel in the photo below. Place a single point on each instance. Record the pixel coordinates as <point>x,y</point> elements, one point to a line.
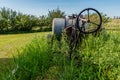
<point>89,20</point>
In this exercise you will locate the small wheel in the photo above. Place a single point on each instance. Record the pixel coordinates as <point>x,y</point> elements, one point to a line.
<point>93,21</point>
<point>57,26</point>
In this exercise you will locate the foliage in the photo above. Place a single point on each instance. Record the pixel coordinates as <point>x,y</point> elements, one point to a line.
<point>56,13</point>
<point>95,59</point>
<point>105,18</point>
<point>12,21</point>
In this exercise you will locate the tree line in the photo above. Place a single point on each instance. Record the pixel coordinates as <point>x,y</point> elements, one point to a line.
<point>116,17</point>
<point>13,21</point>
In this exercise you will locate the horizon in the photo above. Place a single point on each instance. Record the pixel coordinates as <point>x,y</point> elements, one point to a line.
<point>42,7</point>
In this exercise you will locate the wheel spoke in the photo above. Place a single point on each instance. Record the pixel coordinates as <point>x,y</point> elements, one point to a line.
<point>88,14</point>
<point>94,23</point>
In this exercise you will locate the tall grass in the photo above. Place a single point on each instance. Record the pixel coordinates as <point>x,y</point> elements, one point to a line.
<point>34,60</point>
<point>98,58</point>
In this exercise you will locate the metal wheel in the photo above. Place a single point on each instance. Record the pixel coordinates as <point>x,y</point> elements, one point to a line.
<point>92,21</point>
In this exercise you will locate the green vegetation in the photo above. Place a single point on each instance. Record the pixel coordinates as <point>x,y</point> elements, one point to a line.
<point>98,58</point>
<point>17,22</point>
<point>9,44</point>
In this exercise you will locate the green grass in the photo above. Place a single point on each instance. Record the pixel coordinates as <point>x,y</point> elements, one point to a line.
<point>114,24</point>
<point>12,43</point>
<point>98,58</point>
<point>9,44</point>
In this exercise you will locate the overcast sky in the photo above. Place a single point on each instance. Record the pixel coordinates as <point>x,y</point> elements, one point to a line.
<point>41,7</point>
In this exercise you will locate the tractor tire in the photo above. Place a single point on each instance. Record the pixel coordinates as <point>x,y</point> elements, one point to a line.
<point>57,26</point>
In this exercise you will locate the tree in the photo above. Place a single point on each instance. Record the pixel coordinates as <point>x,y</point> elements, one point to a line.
<point>4,19</point>
<point>105,18</point>
<point>15,21</point>
<point>56,13</point>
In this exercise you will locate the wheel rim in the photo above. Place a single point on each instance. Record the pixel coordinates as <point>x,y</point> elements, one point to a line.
<point>93,26</point>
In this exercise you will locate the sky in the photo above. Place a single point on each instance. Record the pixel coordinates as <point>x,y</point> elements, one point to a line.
<point>41,7</point>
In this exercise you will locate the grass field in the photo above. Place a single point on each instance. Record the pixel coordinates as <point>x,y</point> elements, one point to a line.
<point>10,43</point>
<point>98,58</point>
